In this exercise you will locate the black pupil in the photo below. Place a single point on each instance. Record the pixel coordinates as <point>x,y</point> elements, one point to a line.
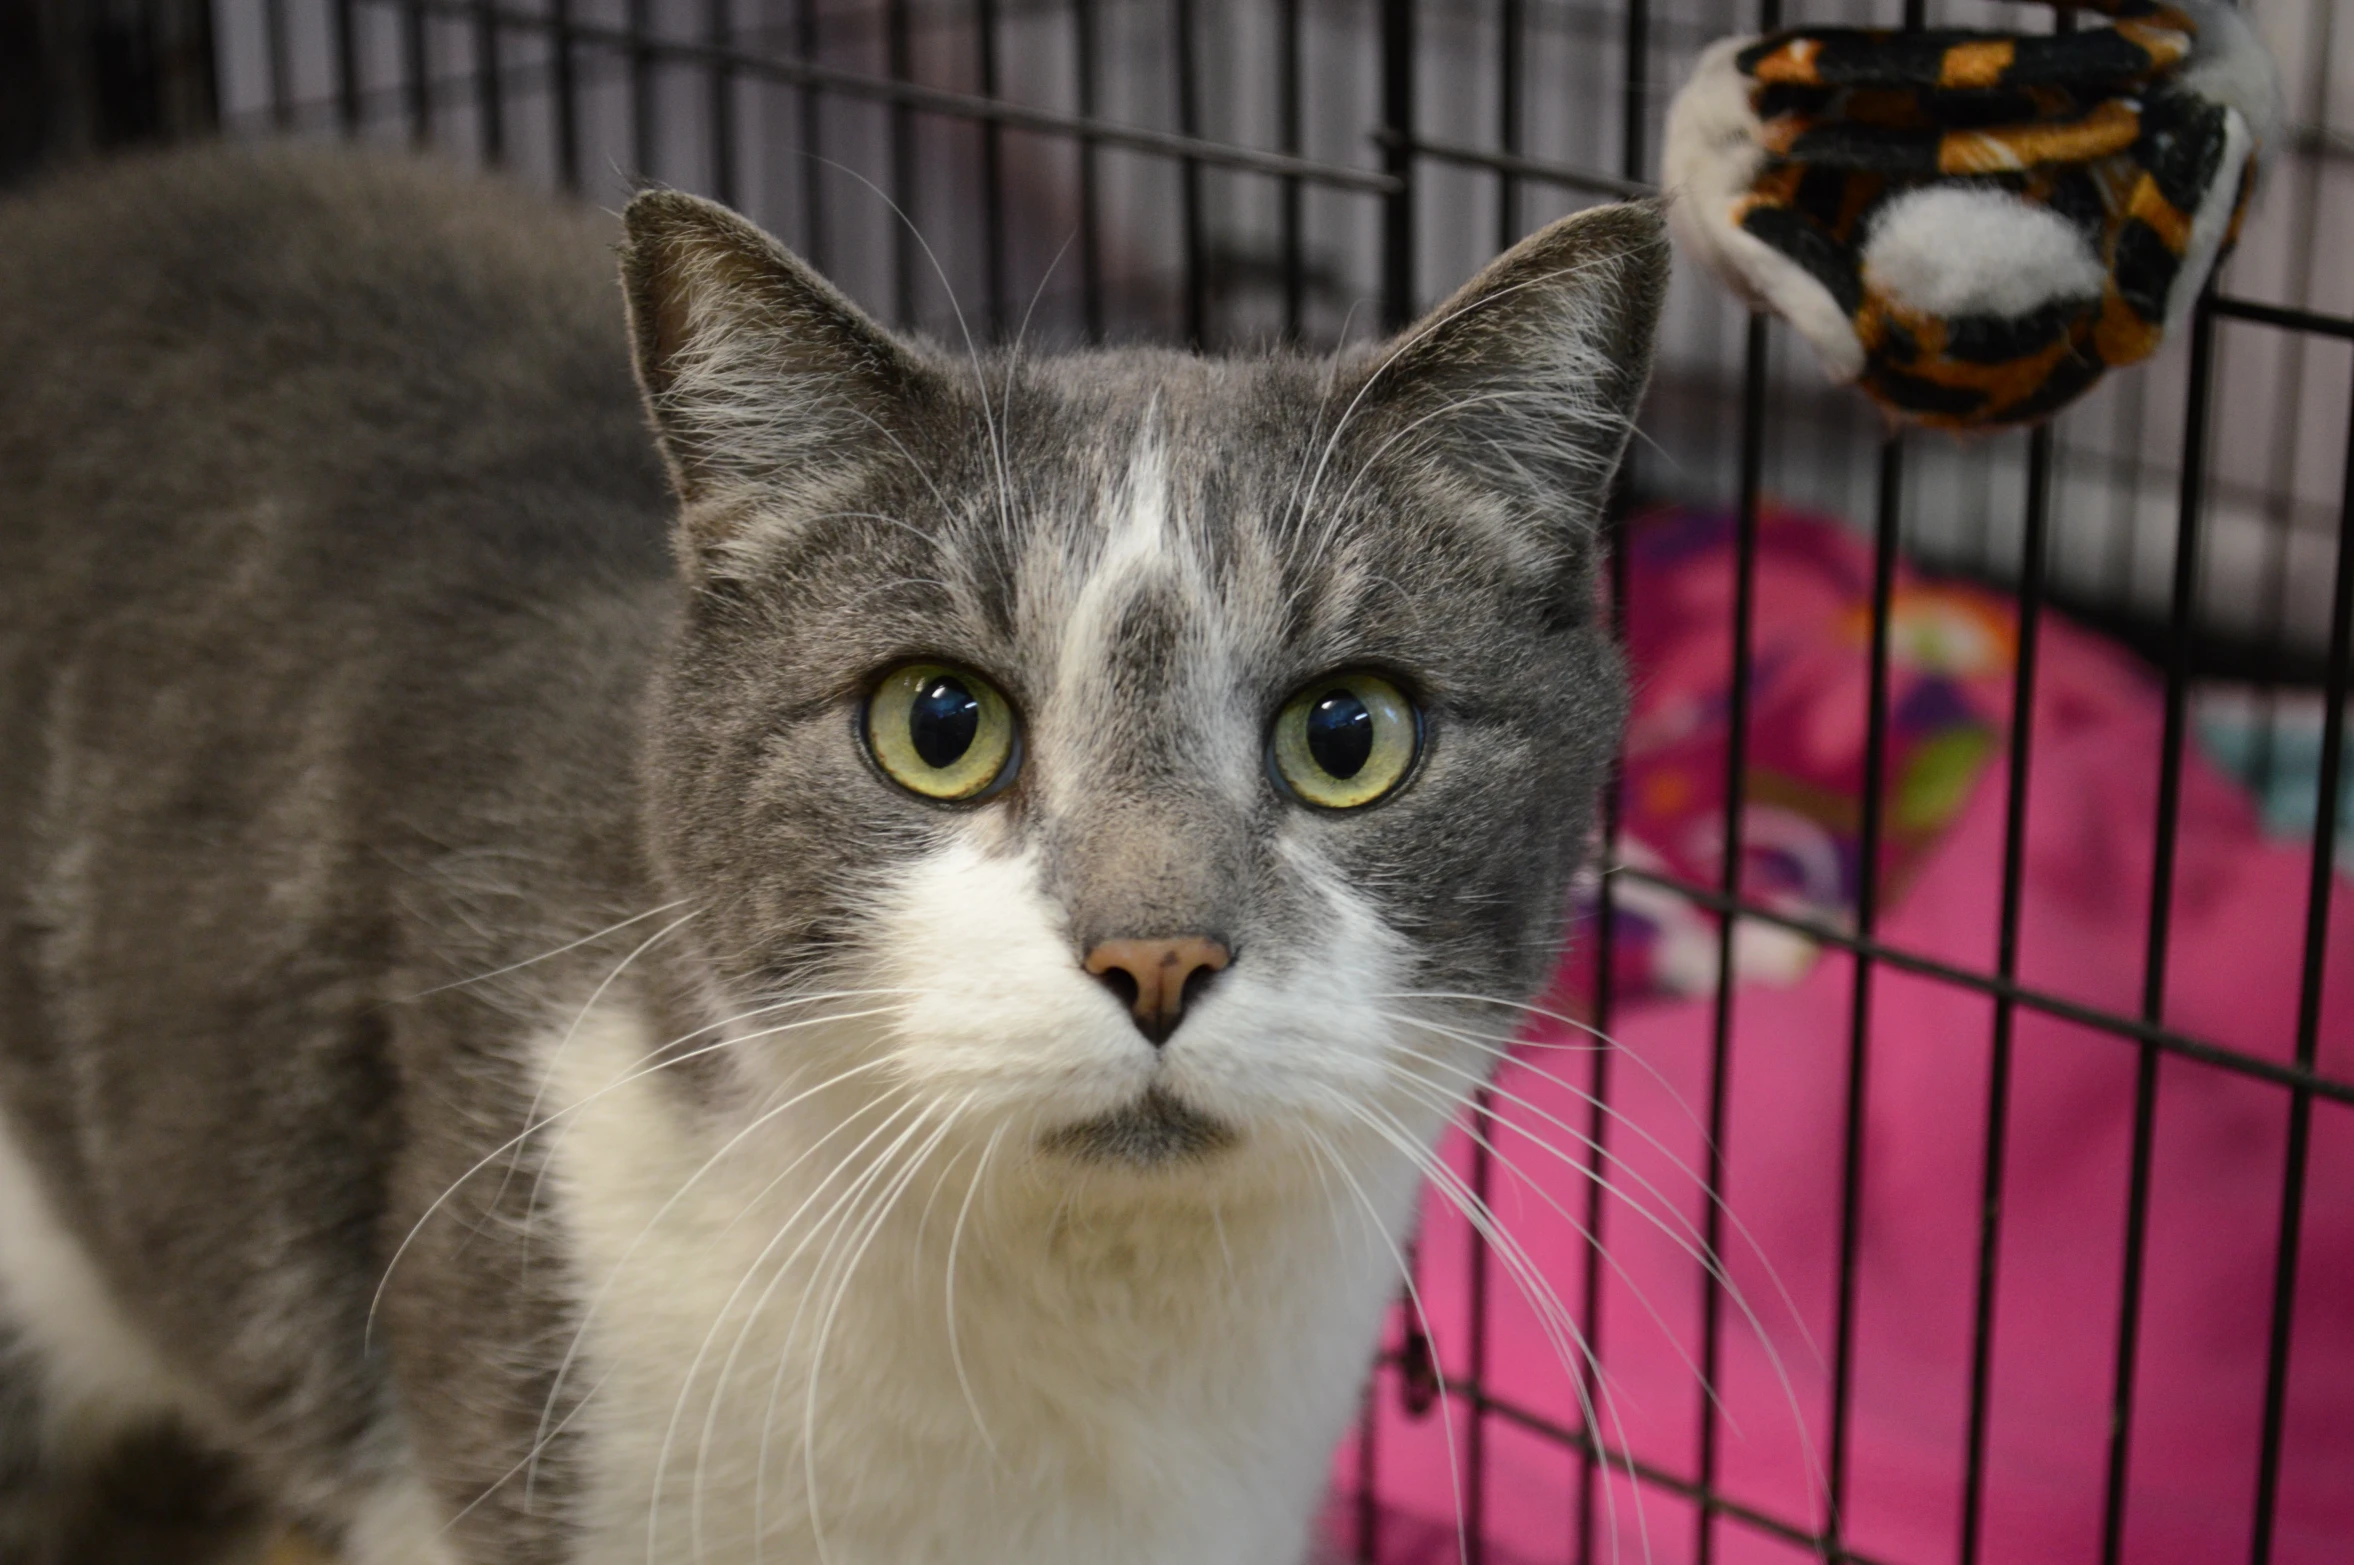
<point>1340,733</point>
<point>944,721</point>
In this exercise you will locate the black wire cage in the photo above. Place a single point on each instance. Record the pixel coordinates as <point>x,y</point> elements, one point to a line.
<point>1231,172</point>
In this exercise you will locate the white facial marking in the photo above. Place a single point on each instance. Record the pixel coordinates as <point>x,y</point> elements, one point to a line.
<point>1149,545</point>
<point>1287,1033</point>
<point>1141,540</point>
<point>998,1004</point>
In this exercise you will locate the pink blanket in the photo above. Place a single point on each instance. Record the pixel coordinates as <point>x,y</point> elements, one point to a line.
<point>2215,1202</point>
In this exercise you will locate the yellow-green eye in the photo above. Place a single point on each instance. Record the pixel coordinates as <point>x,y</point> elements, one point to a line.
<point>1346,740</point>
<point>939,731</point>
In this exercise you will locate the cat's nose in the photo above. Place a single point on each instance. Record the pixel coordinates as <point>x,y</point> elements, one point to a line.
<point>1156,979</point>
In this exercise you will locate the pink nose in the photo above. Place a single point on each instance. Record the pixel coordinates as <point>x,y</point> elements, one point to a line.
<point>1154,978</point>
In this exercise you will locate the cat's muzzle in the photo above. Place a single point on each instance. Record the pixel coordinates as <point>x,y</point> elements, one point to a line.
<point>1155,1130</point>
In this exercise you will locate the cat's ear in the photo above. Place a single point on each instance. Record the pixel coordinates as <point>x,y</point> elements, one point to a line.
<point>1525,383</point>
<point>760,376</point>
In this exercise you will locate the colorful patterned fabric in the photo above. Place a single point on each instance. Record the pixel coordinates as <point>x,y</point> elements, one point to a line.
<point>1951,647</point>
<point>1797,150</point>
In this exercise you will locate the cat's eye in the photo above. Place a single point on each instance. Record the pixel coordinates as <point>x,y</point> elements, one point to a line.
<point>941,732</point>
<point>1345,740</point>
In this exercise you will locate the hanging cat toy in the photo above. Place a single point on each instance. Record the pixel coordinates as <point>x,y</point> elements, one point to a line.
<point>1975,226</point>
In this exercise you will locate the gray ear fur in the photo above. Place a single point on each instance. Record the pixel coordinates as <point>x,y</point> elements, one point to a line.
<point>759,375</point>
<point>1526,382</point>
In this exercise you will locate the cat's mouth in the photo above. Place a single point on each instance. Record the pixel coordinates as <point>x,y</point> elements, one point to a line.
<point>1157,1129</point>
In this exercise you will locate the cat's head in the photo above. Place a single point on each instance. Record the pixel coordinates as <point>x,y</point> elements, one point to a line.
<point>1154,756</point>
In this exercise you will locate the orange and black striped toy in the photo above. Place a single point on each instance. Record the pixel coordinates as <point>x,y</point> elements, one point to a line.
<point>1972,226</point>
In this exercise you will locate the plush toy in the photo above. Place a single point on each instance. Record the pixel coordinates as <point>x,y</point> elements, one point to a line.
<point>1975,226</point>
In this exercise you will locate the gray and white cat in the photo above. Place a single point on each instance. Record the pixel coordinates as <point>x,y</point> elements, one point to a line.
<point>877,998</point>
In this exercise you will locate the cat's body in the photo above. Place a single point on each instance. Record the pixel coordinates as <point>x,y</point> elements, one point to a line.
<point>378,777</point>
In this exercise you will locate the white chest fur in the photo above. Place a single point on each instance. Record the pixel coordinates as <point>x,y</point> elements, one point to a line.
<point>877,1360</point>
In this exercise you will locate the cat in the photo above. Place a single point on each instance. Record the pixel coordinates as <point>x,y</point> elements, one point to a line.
<point>868,976</point>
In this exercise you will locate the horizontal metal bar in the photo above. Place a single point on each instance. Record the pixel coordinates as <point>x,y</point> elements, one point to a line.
<point>938,100</point>
<point>2283,316</point>
<point>1512,163</point>
<point>1617,1460</point>
<point>2172,1042</point>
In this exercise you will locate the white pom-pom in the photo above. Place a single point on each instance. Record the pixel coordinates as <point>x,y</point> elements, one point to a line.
<point>1950,250</point>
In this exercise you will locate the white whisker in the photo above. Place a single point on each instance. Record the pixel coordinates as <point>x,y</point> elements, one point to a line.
<point>1505,1051</point>
<point>989,419</point>
<point>865,1241</point>
<point>1414,1298</point>
<point>563,1115</point>
<point>955,1349</point>
<point>1560,1019</point>
<point>533,961</point>
<point>597,1300</point>
<point>1453,1183</point>
<point>1697,1248</point>
<point>556,1055</point>
<point>832,1223</point>
<point>1568,1343</point>
<point>539,1179</point>
<point>719,1318</point>
<point>826,1224</point>
<point>1408,342</point>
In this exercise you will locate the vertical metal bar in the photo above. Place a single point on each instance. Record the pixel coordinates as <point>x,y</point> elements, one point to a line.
<point>1197,261</point>
<point>992,175</point>
<point>416,78</point>
<point>1508,38</point>
<point>281,64</point>
<point>2032,557</point>
<point>1887,527</point>
<point>195,65</point>
<point>1617,540</point>
<point>1753,406</point>
<point>489,86</point>
<point>1617,532</point>
<point>1859,1022</point>
<point>719,31</point>
<point>1635,91</point>
<point>813,190</point>
<point>1090,221</point>
<point>899,46</point>
<point>2153,1000</point>
<point>1510,25</point>
<point>1753,411</point>
<point>1288,111</point>
<point>641,88</point>
<point>2309,995</point>
<point>1598,1085</point>
<point>1397,128</point>
<point>347,68</point>
<point>564,81</point>
<point>1475,1430</point>
<point>1995,1150</point>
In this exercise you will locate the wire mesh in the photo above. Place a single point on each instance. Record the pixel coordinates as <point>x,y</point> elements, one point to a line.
<point>1316,171</point>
